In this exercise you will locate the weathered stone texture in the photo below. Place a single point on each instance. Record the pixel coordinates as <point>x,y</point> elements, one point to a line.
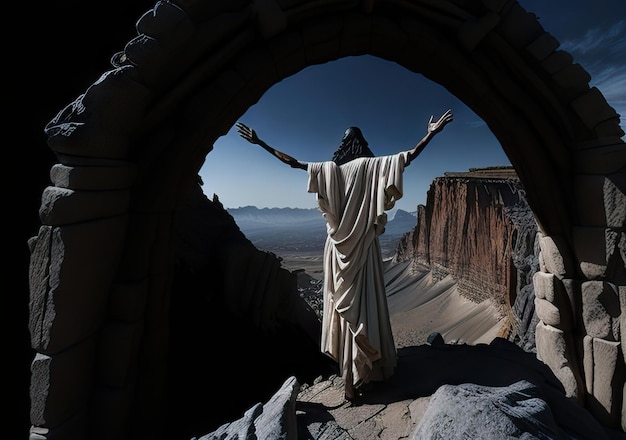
<point>556,351</point>
<point>605,377</point>
<point>608,377</point>
<point>588,362</point>
<point>621,262</point>
<point>623,412</point>
<point>554,306</point>
<point>548,313</point>
<point>554,257</point>
<point>54,323</point>
<point>601,310</point>
<point>61,386</point>
<point>594,247</point>
<point>622,318</point>
<point>470,411</point>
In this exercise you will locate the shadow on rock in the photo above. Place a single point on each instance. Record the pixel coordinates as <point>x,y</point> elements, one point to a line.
<point>423,369</point>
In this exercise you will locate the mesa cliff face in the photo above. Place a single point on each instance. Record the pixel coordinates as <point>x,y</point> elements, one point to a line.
<point>477,227</point>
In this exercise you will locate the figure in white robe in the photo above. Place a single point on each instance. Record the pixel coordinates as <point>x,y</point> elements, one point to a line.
<point>353,192</point>
<point>353,198</point>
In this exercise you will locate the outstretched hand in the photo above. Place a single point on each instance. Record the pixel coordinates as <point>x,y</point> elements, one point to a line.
<point>433,128</point>
<point>436,127</point>
<point>250,135</point>
<point>247,133</point>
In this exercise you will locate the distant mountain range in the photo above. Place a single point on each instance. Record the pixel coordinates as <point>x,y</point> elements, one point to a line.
<point>297,229</point>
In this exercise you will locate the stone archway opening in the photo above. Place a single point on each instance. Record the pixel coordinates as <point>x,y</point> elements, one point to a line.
<point>309,123</point>
<point>130,148</point>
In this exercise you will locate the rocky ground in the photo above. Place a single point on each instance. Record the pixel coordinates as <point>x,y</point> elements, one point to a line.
<point>469,358</point>
<point>467,383</point>
<point>443,391</point>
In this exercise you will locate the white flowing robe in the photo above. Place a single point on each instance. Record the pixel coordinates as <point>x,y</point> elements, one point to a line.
<point>356,329</point>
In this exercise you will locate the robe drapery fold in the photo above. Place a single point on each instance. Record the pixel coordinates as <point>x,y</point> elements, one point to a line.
<point>353,198</point>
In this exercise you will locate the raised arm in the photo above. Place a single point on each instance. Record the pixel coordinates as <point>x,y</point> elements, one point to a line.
<point>433,129</point>
<point>250,135</point>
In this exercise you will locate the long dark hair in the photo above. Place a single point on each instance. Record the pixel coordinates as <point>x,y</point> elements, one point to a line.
<point>353,145</point>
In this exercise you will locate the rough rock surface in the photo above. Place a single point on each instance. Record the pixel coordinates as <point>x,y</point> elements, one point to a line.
<point>276,419</point>
<point>475,411</point>
<point>508,394</point>
<point>478,228</point>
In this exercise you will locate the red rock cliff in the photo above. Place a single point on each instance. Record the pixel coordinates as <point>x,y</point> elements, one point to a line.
<point>477,227</point>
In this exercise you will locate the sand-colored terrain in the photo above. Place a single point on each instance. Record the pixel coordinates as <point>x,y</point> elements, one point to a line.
<point>311,262</point>
<point>419,305</point>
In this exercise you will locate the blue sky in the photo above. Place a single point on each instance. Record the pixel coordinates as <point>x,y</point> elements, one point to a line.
<point>306,115</point>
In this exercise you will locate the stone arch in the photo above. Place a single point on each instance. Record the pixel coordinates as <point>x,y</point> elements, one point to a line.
<point>133,143</point>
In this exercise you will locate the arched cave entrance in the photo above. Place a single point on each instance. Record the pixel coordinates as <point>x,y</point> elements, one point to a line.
<point>129,150</point>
